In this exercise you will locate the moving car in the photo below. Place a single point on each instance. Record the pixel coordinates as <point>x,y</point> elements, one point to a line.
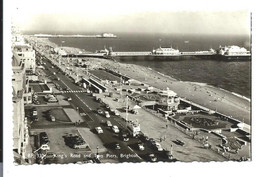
<point>124,136</point>
<point>115,129</point>
<point>140,146</point>
<point>109,124</point>
<point>117,146</point>
<point>99,130</point>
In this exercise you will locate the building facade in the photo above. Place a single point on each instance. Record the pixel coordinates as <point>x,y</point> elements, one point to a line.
<point>166,51</point>
<point>168,100</point>
<point>25,54</point>
<point>20,130</point>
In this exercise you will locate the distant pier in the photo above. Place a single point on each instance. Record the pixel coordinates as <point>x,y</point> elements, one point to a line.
<point>169,53</point>
<point>103,35</point>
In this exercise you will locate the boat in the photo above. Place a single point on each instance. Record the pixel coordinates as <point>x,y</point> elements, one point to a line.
<point>106,35</point>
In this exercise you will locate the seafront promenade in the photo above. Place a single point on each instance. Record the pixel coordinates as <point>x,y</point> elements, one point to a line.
<point>205,95</point>
<point>208,96</point>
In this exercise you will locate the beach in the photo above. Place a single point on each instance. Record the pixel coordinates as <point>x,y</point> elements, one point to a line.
<point>211,97</point>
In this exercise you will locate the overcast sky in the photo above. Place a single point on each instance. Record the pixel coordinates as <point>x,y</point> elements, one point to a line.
<point>162,16</point>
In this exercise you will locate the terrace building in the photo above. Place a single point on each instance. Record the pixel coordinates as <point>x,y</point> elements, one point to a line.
<point>25,54</point>
<point>21,95</point>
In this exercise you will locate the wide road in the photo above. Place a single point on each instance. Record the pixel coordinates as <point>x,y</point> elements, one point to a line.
<point>88,105</point>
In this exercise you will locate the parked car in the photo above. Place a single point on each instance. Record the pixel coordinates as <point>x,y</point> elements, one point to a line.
<point>115,129</point>
<point>43,135</point>
<point>69,98</point>
<point>116,99</point>
<point>99,130</point>
<point>51,98</point>
<point>179,142</point>
<point>52,118</point>
<point>116,112</point>
<point>35,118</point>
<point>44,138</point>
<point>75,142</point>
<point>107,106</point>
<point>107,115</point>
<point>34,112</point>
<point>99,100</point>
<point>37,102</point>
<point>158,146</point>
<point>169,156</point>
<point>100,111</point>
<point>45,147</point>
<point>152,158</point>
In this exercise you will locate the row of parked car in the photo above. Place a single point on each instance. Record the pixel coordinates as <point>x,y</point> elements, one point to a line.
<point>44,141</point>
<point>34,114</point>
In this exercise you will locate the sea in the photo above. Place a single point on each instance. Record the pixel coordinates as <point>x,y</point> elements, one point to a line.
<point>234,76</point>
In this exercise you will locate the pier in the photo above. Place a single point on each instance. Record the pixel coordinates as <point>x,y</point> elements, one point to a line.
<point>140,54</point>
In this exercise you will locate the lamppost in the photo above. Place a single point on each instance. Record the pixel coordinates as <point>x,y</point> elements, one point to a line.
<point>126,111</point>
<point>97,153</point>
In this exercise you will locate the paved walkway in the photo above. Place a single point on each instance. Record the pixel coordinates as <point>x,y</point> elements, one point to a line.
<point>73,115</point>
<point>92,139</point>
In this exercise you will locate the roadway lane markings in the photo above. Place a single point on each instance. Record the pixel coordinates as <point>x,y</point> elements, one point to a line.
<point>73,91</point>
<point>134,152</point>
<point>119,123</point>
<point>77,95</point>
<point>83,102</point>
<point>65,84</point>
